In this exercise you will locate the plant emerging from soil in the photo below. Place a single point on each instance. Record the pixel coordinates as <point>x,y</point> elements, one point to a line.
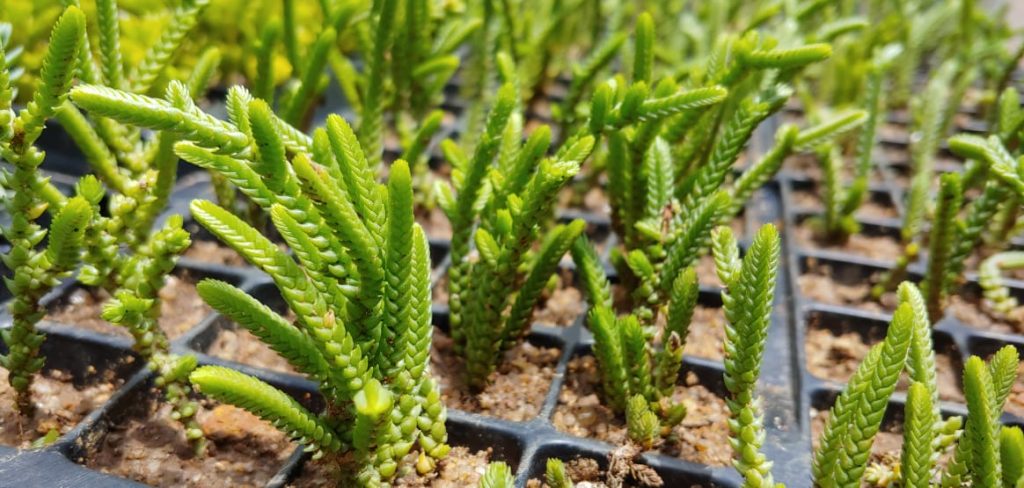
<point>510,188</point>
<point>359,287</point>
<point>974,448</point>
<point>27,195</point>
<point>747,298</point>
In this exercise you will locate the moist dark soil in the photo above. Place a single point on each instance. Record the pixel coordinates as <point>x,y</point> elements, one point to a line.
<point>888,441</point>
<point>623,470</point>
<point>60,405</point>
<point>242,346</point>
<point>887,444</point>
<point>835,356</point>
<point>881,248</point>
<point>517,389</point>
<point>706,274</point>
<point>978,315</point>
<point>703,437</point>
<point>817,284</point>
<point>806,200</point>
<point>706,334</point>
<point>213,252</point>
<point>460,469</point>
<point>181,308</point>
<point>434,222</point>
<point>556,307</point>
<point>243,450</point>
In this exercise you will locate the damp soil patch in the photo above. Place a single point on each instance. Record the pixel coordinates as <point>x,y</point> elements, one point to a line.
<point>623,471</point>
<point>459,469</point>
<point>877,247</point>
<point>241,346</point>
<point>806,200</point>
<point>214,253</point>
<point>181,308</point>
<point>557,306</point>
<point>243,451</point>
<point>818,283</point>
<point>702,437</point>
<point>970,311</point>
<point>834,354</point>
<point>60,404</point>
<point>517,389</point>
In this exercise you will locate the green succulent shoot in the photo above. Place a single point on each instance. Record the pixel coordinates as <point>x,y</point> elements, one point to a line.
<point>358,279</point>
<point>974,448</point>
<point>27,195</point>
<point>747,299</point>
<point>502,195</point>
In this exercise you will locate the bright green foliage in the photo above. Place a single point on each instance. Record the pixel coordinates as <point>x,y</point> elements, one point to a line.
<point>918,437</point>
<point>36,271</point>
<point>641,423</point>
<point>492,298</point>
<point>334,340</point>
<point>940,243</point>
<point>358,282</point>
<point>977,458</point>
<point>556,477</point>
<point>637,377</point>
<point>993,153</point>
<point>856,416</point>
<point>982,425</point>
<point>497,475</point>
<point>747,300</point>
<point>928,111</point>
<point>991,280</point>
<point>1011,447</point>
<point>267,402</point>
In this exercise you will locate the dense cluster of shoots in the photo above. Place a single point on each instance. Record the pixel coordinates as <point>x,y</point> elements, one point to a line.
<point>976,447</point>
<point>357,279</point>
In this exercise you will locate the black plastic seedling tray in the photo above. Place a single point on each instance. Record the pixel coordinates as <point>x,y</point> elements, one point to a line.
<point>790,390</point>
<point>953,339</point>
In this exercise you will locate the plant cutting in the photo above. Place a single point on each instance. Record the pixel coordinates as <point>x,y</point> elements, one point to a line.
<point>27,196</point>
<point>520,188</point>
<point>367,348</point>
<point>748,298</point>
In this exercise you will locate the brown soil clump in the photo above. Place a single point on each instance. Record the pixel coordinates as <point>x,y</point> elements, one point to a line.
<point>816,284</point>
<point>243,451</point>
<point>181,308</point>
<point>555,308</point>
<point>882,248</point>
<point>60,405</point>
<point>835,357</point>
<point>242,346</point>
<point>434,222</point>
<point>974,314</point>
<point>516,391</point>
<point>460,469</point>
<point>212,252</point>
<point>703,437</point>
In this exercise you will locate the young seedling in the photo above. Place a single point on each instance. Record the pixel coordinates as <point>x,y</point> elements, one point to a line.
<point>505,192</point>
<point>747,299</point>
<point>837,222</point>
<point>360,288</point>
<point>365,342</point>
<point>497,475</point>
<point>997,295</point>
<point>855,418</point>
<point>27,195</point>
<point>845,445</point>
